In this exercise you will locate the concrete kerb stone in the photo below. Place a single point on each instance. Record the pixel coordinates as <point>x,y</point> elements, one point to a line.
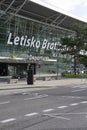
<point>23,87</point>
<point>62,82</point>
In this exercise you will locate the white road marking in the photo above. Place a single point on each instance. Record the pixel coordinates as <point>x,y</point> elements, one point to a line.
<point>60,117</point>
<point>79,113</point>
<point>8,120</point>
<point>37,97</point>
<point>74,104</point>
<point>77,86</point>
<point>75,97</point>
<point>83,86</point>
<point>70,97</point>
<point>2,103</point>
<point>83,102</point>
<point>32,114</point>
<point>62,107</point>
<point>47,110</point>
<point>78,90</point>
<point>57,117</point>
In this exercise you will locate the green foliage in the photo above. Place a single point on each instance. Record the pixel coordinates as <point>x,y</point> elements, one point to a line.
<point>75,76</point>
<point>71,76</point>
<point>83,60</point>
<point>84,75</point>
<point>76,43</point>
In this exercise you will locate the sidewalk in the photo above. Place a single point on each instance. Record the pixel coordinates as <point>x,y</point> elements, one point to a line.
<point>21,86</point>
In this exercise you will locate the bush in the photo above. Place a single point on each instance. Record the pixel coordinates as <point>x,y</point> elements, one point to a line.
<point>75,76</point>
<point>71,76</point>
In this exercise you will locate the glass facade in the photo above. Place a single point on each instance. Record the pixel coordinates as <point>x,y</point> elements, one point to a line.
<point>22,27</point>
<point>21,38</point>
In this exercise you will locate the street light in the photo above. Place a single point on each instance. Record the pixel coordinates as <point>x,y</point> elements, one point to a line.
<point>75,60</point>
<point>58,53</point>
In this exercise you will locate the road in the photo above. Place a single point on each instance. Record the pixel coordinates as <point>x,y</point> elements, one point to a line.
<point>57,108</point>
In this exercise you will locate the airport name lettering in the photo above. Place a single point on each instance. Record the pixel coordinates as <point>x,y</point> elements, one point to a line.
<point>27,42</point>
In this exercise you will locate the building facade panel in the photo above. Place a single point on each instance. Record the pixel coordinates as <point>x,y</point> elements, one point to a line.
<point>26,39</point>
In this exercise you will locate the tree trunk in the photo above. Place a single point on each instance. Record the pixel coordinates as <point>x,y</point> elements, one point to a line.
<point>75,64</point>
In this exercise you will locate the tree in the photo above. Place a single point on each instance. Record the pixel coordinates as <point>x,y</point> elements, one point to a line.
<point>75,43</point>
<point>83,60</point>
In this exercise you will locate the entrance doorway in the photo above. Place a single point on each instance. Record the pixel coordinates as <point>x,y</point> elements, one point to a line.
<point>3,69</point>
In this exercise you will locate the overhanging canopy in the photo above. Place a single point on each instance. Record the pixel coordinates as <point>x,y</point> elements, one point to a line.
<point>40,12</point>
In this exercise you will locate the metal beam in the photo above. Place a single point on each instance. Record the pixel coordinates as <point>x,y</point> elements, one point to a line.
<point>62,20</point>
<point>17,10</point>
<point>21,6</point>
<point>20,16</point>
<point>49,18</point>
<point>2,1</point>
<point>56,18</point>
<point>7,8</point>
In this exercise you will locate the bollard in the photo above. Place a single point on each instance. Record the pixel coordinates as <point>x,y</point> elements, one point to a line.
<point>30,75</point>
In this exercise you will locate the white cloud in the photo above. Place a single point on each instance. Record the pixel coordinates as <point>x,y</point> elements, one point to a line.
<point>84,2</point>
<point>76,7</point>
<point>65,4</point>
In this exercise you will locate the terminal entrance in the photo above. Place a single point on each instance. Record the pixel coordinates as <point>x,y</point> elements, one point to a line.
<point>3,69</point>
<point>15,70</point>
<point>19,70</point>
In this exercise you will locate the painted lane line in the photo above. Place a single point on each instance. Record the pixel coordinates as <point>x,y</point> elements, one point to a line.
<point>70,97</point>
<point>75,86</point>
<point>57,117</point>
<point>2,103</point>
<point>74,104</point>
<point>62,107</point>
<point>75,97</point>
<point>8,120</point>
<point>47,110</point>
<point>60,117</point>
<point>37,97</point>
<point>32,114</point>
<point>79,113</point>
<point>85,116</point>
<point>78,90</point>
<point>83,86</point>
<point>83,102</point>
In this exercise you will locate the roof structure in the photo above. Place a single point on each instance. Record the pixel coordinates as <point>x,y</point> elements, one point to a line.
<point>40,12</point>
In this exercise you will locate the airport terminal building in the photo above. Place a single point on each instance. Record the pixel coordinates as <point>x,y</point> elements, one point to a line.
<point>30,33</point>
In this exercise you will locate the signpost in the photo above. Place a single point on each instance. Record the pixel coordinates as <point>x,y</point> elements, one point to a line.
<point>39,65</point>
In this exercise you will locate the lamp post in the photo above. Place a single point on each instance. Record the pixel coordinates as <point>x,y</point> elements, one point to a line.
<point>57,64</point>
<point>75,60</point>
<point>39,65</point>
<point>30,71</point>
<point>58,53</point>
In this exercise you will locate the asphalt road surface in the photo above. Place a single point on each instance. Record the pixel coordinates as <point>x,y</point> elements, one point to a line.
<point>60,108</point>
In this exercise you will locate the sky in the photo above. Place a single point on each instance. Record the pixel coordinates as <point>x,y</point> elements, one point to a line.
<point>76,7</point>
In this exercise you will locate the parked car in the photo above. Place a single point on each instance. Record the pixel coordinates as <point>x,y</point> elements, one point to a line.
<point>20,75</point>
